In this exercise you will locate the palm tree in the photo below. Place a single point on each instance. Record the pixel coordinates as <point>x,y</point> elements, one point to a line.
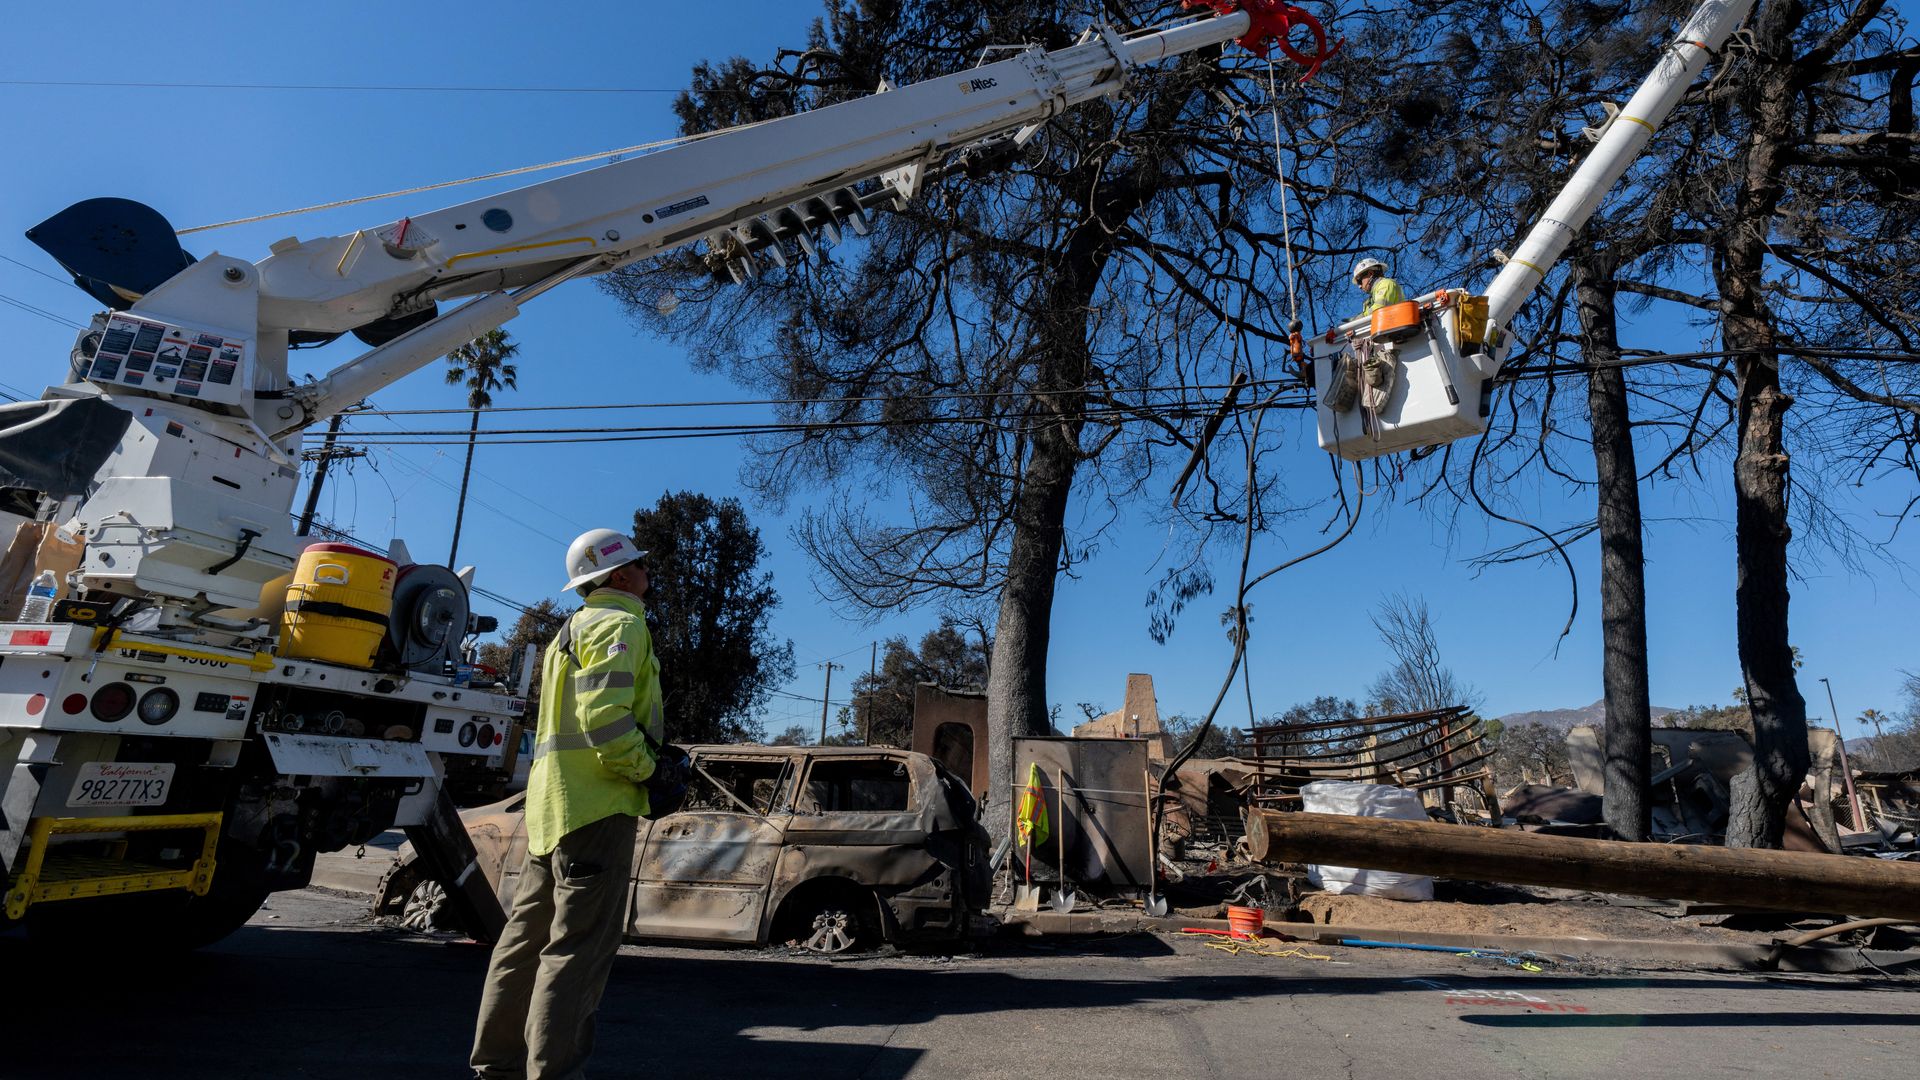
<point>481,365</point>
<point>1876,746</point>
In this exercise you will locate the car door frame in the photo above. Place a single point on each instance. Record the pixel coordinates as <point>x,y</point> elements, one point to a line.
<point>705,875</point>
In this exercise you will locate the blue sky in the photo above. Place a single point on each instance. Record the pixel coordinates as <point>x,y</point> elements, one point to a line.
<point>208,155</point>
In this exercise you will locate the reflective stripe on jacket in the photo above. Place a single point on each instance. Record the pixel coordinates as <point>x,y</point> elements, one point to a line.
<point>1385,292</point>
<point>599,683</point>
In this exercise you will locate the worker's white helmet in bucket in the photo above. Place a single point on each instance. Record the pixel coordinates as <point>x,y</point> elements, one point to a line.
<point>597,553</point>
<point>1364,265</point>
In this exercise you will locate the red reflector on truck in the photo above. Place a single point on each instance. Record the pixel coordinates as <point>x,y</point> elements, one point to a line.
<point>36,704</point>
<point>30,637</point>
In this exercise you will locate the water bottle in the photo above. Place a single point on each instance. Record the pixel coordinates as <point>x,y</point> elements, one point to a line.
<point>39,605</point>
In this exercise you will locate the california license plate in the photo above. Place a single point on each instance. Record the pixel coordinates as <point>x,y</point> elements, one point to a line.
<point>121,783</point>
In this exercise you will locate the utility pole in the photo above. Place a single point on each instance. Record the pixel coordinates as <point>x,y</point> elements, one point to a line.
<point>323,459</point>
<point>873,666</point>
<point>1846,771</point>
<point>826,698</point>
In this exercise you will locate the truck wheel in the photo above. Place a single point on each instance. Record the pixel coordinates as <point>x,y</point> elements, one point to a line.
<point>157,922</point>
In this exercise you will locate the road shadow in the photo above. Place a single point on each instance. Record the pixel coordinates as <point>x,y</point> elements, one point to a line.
<point>363,1003</point>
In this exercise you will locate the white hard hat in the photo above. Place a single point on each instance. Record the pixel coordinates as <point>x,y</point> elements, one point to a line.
<point>597,553</point>
<point>1365,265</point>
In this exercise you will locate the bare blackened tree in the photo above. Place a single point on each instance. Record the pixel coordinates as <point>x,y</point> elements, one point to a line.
<point>1417,680</point>
<point>1796,108</point>
<point>1627,737</point>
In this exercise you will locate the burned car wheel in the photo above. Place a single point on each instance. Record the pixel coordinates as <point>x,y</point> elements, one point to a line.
<point>830,919</point>
<point>426,908</point>
<point>834,931</point>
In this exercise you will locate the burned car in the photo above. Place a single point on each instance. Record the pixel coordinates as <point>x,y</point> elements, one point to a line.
<point>833,847</point>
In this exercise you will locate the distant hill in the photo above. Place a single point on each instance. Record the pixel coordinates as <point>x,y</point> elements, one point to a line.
<point>1594,715</point>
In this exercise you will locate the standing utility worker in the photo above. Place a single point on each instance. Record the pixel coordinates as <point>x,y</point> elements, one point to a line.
<point>1371,276</point>
<point>599,737</point>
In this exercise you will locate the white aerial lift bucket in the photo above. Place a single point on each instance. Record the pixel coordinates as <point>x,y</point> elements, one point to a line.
<point>1441,378</point>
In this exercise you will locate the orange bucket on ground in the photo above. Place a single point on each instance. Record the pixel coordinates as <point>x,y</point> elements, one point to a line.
<point>1245,922</point>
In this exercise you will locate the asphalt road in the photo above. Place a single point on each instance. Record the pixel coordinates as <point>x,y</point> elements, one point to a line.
<point>311,989</point>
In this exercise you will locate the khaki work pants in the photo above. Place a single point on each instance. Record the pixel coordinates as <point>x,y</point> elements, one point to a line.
<point>552,961</point>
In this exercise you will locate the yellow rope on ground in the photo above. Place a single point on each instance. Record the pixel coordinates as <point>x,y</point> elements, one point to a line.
<point>1264,948</point>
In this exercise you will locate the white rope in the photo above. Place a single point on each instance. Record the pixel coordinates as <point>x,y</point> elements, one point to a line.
<point>581,160</point>
<point>1280,173</point>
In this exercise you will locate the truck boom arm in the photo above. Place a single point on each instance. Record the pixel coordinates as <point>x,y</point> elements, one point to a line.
<point>1621,141</point>
<point>744,190</point>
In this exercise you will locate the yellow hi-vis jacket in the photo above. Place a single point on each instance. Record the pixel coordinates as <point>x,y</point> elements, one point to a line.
<point>599,703</point>
<point>1385,292</point>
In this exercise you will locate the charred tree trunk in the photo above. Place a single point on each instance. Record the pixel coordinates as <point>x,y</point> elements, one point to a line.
<point>1017,673</point>
<point>1760,468</point>
<point>1623,588</point>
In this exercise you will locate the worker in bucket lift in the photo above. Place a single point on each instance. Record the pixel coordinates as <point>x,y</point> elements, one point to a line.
<point>1365,374</point>
<point>1370,275</point>
<point>599,738</point>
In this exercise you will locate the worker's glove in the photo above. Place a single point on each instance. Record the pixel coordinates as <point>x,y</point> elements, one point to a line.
<point>667,787</point>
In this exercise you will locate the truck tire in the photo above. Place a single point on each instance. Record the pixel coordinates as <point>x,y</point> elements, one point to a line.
<point>171,921</point>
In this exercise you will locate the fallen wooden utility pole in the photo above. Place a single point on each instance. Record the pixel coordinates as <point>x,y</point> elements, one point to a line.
<point>1748,877</point>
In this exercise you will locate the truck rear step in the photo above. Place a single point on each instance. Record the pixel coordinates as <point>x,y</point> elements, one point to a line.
<point>48,873</point>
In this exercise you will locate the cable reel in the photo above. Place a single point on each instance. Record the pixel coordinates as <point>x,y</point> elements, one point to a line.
<point>431,613</point>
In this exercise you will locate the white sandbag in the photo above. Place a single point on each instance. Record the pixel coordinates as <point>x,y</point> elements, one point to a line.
<point>1366,800</point>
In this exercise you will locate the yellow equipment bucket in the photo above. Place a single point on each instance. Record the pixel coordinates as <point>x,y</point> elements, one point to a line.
<point>338,605</point>
<point>1473,324</point>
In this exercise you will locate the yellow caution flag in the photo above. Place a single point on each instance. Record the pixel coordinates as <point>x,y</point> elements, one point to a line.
<point>1032,816</point>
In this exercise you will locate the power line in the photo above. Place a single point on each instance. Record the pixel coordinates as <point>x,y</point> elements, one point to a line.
<point>1095,413</point>
<point>809,700</point>
<point>656,433</point>
<point>958,395</point>
<point>835,656</point>
<point>578,159</point>
<point>495,481</point>
<point>1556,370</point>
<point>31,269</point>
<point>40,311</point>
<point>429,474</point>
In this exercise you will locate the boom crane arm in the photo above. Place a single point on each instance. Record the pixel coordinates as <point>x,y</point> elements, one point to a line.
<point>744,192</point>
<point>1623,138</point>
